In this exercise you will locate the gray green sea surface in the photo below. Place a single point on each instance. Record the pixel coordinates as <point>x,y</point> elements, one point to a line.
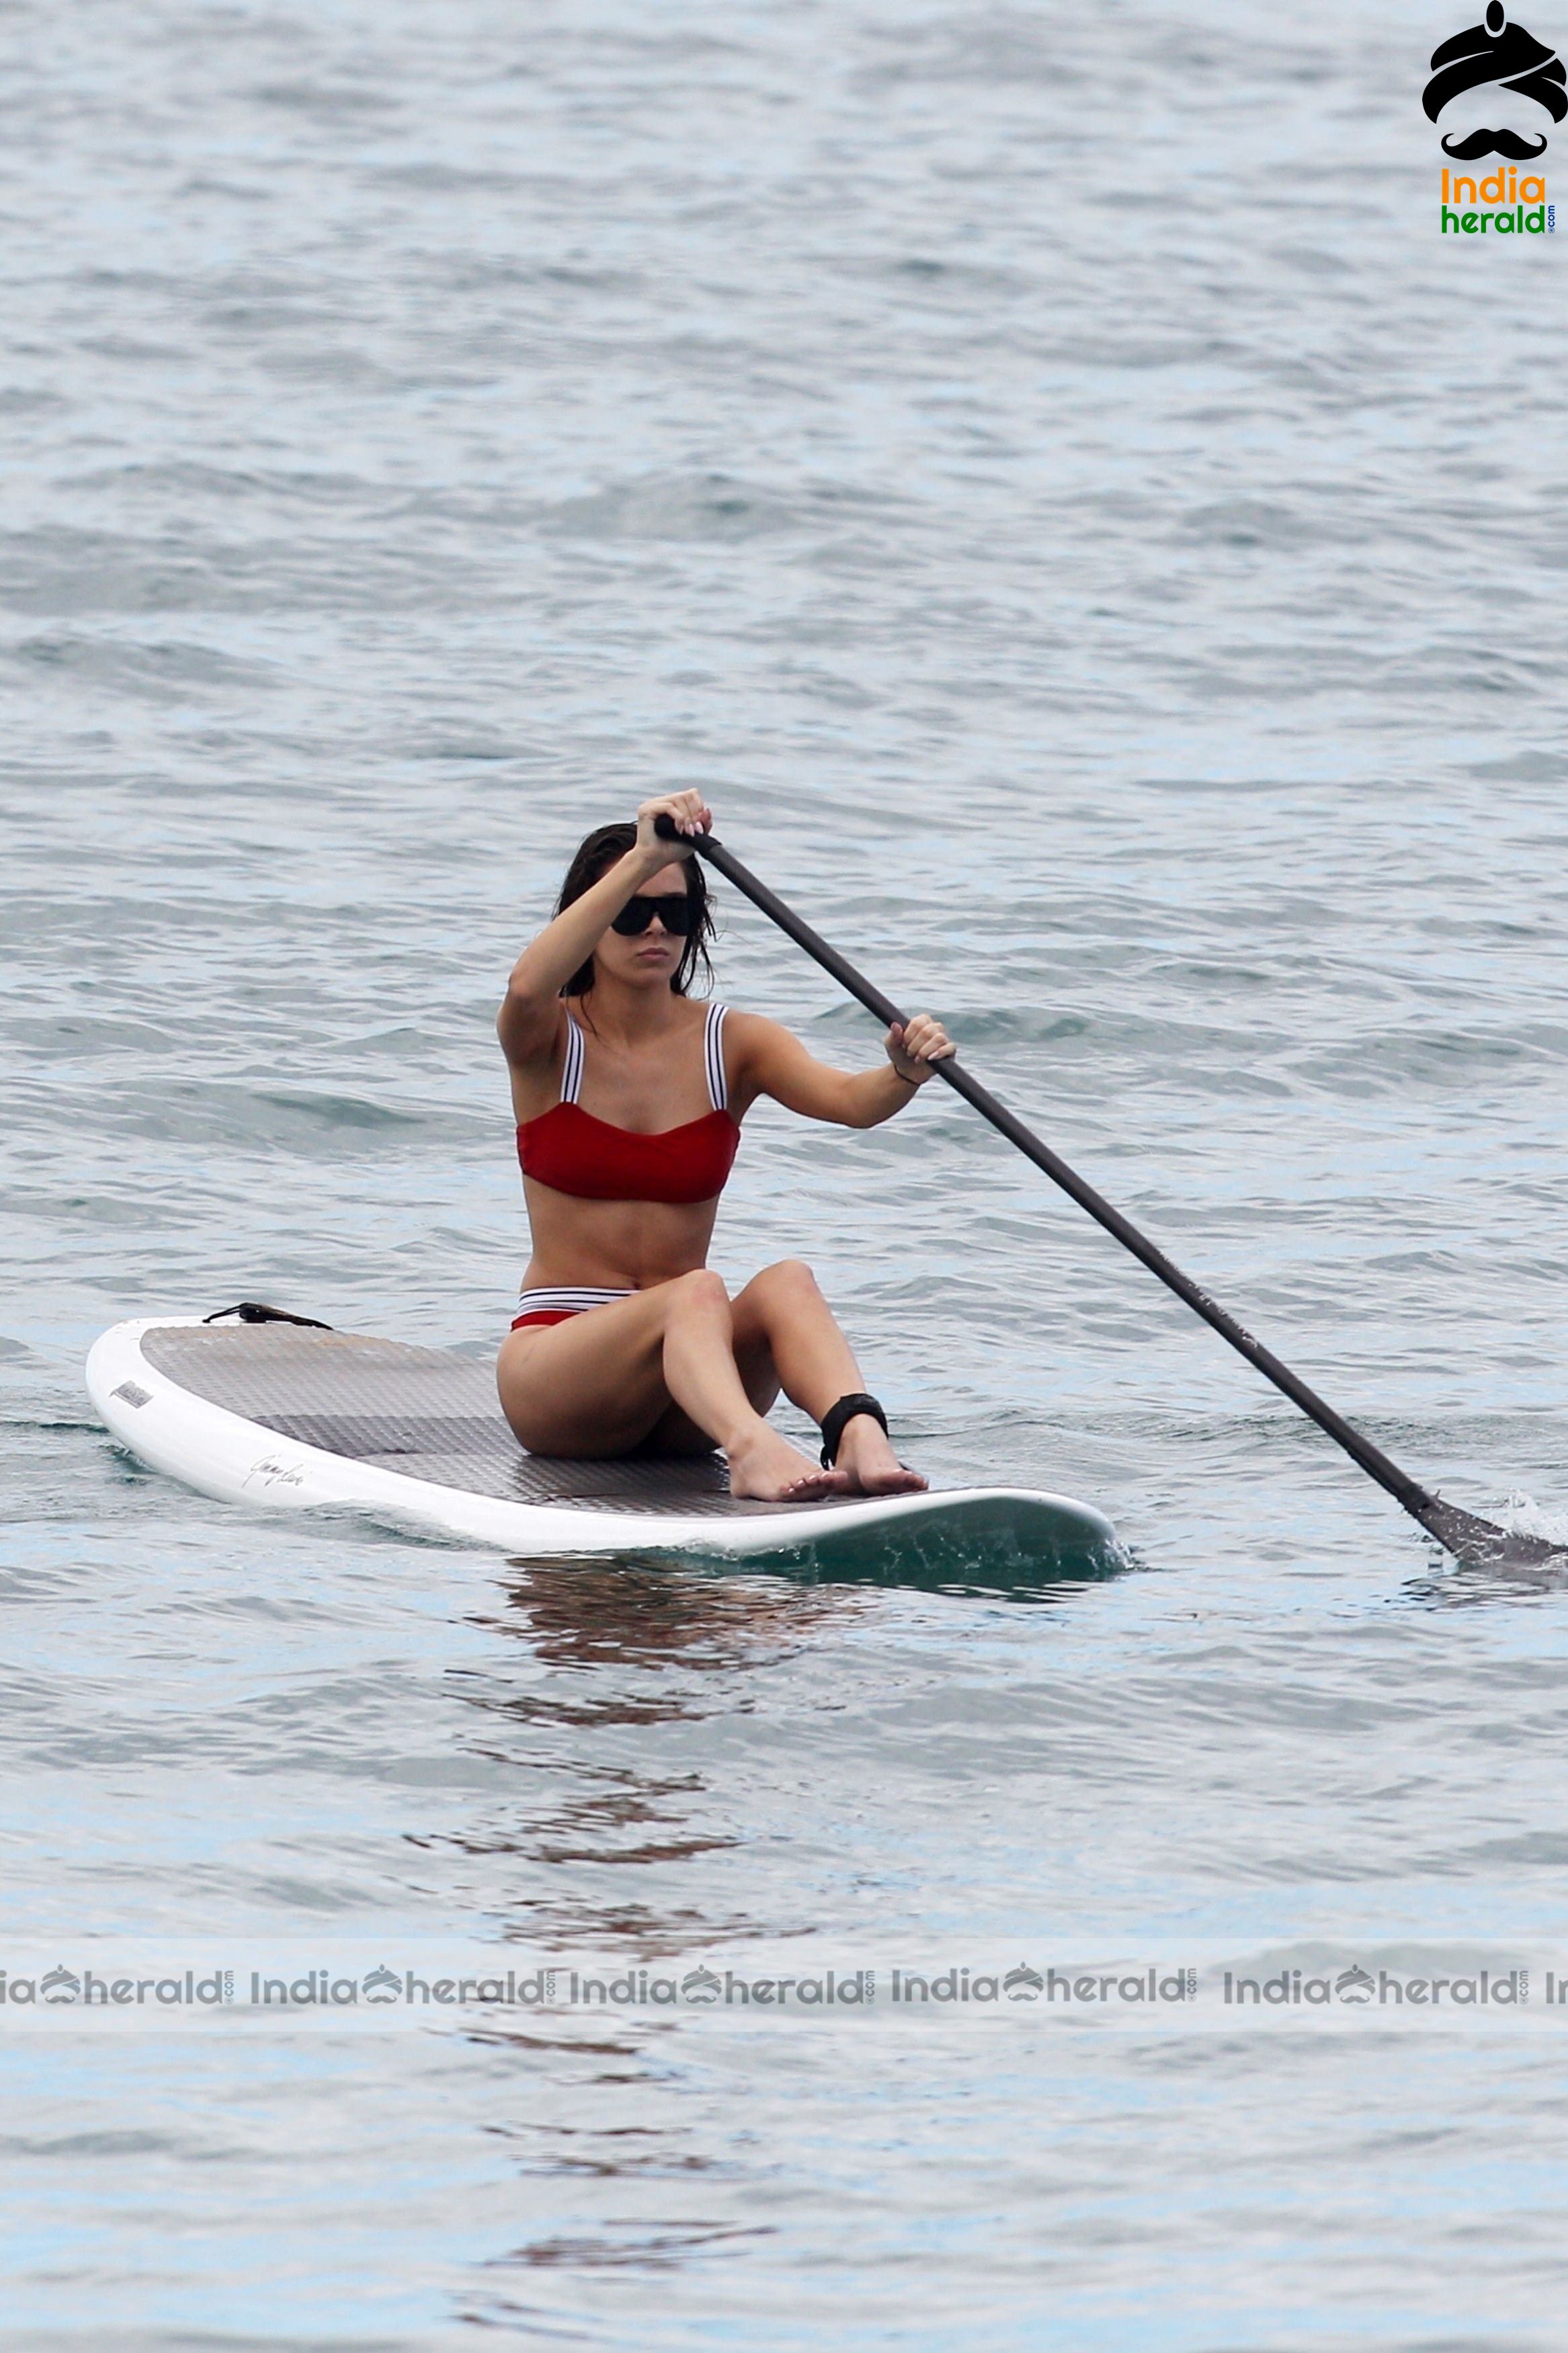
<point>1042,473</point>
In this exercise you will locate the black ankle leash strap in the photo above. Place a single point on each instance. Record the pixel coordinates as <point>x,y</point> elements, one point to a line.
<point>835,1418</point>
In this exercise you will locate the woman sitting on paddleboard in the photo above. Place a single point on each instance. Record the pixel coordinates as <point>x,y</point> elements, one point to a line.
<point>629,1099</point>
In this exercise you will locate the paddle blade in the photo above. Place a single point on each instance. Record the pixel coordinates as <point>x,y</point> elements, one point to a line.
<point>1479,1545</point>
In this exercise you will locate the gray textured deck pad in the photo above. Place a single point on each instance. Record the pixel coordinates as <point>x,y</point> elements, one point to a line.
<point>423,1411</point>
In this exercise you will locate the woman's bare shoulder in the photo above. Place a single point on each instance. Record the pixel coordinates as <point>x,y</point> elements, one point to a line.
<point>746,1035</point>
<point>741,1028</point>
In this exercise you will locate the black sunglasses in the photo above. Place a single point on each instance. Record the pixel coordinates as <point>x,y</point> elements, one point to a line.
<point>674,910</point>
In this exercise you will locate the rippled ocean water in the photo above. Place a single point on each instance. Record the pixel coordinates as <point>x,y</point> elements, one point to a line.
<point>1041,472</point>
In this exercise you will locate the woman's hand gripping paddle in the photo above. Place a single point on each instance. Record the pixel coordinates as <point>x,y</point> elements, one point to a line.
<point>1473,1541</point>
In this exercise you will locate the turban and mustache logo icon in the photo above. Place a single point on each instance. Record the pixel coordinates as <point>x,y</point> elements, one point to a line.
<point>1496,51</point>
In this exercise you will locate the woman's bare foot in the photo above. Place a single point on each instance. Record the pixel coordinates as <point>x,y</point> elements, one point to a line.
<point>866,1452</point>
<point>769,1467</point>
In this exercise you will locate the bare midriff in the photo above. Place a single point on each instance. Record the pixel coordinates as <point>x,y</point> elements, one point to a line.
<point>614,1245</point>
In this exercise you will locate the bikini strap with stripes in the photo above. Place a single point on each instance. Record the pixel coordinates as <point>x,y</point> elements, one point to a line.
<point>572,1069</point>
<point>713,1058</point>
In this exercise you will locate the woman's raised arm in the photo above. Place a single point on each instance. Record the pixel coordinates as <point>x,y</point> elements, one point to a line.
<point>526,1024</point>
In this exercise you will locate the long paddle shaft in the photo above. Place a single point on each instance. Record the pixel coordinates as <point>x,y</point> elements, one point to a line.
<point>1461,1532</point>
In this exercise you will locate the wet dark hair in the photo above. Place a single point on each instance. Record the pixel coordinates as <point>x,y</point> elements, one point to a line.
<point>596,853</point>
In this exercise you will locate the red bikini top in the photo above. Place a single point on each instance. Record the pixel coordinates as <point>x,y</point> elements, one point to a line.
<point>571,1152</point>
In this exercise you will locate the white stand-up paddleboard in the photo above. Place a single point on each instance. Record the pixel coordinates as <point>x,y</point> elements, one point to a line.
<point>283,1415</point>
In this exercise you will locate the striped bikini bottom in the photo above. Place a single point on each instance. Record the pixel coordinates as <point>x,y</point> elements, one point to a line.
<point>553,1306</point>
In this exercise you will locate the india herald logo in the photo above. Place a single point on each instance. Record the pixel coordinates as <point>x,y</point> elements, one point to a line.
<point>1496,56</point>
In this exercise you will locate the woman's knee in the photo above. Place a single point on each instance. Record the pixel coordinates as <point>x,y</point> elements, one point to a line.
<point>701,1291</point>
<point>789,1279</point>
